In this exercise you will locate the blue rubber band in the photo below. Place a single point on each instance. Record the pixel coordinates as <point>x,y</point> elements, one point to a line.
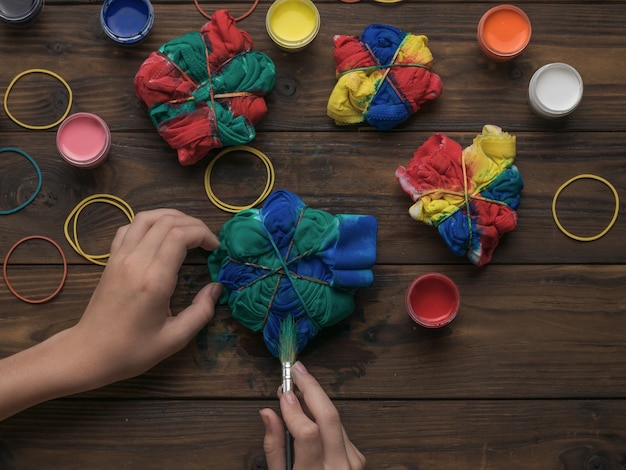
<point>34,195</point>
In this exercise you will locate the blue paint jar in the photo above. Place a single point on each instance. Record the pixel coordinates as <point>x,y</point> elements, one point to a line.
<point>21,13</point>
<point>127,21</point>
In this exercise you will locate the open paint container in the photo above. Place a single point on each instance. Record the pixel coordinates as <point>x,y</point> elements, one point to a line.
<point>504,32</point>
<point>21,13</point>
<point>555,90</point>
<point>292,24</point>
<point>432,300</point>
<point>127,21</point>
<point>83,140</point>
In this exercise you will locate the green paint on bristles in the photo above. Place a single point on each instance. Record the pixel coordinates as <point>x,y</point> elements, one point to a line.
<point>288,340</point>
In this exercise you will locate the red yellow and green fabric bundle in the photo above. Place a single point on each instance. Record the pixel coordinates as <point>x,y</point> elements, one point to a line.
<point>204,90</point>
<point>471,195</point>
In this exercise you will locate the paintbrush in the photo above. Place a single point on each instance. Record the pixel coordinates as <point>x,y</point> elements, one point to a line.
<point>287,350</point>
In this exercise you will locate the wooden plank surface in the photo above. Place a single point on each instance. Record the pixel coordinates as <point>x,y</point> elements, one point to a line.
<point>531,374</point>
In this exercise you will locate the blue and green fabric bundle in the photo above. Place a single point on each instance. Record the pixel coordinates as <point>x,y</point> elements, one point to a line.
<point>290,261</point>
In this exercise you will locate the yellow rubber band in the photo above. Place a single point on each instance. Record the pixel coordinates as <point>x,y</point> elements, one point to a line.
<point>608,227</point>
<point>73,218</point>
<point>269,184</point>
<point>30,126</point>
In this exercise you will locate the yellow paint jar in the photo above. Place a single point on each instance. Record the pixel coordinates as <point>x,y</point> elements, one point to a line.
<point>292,24</point>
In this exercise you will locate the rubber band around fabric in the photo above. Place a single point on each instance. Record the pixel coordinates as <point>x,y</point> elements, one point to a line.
<point>467,197</point>
<point>381,67</point>
<point>565,185</point>
<point>269,184</point>
<point>6,276</point>
<point>72,238</point>
<point>30,126</point>
<point>39,180</point>
<point>239,18</point>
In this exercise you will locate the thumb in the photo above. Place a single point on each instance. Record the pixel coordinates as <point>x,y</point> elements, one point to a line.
<point>187,323</point>
<point>274,440</point>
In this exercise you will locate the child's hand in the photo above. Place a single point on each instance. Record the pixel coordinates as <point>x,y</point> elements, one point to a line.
<point>320,441</point>
<point>128,326</point>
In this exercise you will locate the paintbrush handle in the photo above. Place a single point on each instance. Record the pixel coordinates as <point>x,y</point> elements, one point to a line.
<point>288,450</point>
<point>287,387</point>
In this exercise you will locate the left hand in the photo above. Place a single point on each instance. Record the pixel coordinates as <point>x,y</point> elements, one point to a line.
<point>128,326</point>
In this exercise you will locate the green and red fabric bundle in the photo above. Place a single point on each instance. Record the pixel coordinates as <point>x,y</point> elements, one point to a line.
<point>205,90</point>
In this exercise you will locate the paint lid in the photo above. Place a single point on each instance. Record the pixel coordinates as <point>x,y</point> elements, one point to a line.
<point>127,21</point>
<point>555,90</point>
<point>83,140</point>
<point>504,32</point>
<point>432,300</point>
<point>292,24</point>
<point>20,12</point>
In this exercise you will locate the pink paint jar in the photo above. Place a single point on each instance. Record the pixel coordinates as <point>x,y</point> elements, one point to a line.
<point>84,140</point>
<point>432,300</point>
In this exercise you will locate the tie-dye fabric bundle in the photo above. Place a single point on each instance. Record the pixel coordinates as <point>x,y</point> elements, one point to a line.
<point>287,260</point>
<point>382,78</point>
<point>205,90</point>
<point>471,195</point>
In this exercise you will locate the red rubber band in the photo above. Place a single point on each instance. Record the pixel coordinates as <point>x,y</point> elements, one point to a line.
<point>239,18</point>
<point>6,262</point>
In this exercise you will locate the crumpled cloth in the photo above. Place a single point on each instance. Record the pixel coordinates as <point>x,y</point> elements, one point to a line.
<point>470,195</point>
<point>382,78</point>
<point>205,90</point>
<point>290,260</point>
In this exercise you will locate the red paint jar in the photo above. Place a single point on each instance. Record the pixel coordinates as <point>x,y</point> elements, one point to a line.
<point>432,300</point>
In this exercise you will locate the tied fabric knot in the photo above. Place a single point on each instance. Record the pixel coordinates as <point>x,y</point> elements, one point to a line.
<point>205,90</point>
<point>471,195</point>
<point>382,78</point>
<point>290,260</point>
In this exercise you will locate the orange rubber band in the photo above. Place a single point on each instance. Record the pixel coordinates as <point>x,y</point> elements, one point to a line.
<point>6,262</point>
<point>239,18</point>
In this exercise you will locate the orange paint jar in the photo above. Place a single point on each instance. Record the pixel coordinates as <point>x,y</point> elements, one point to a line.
<point>504,32</point>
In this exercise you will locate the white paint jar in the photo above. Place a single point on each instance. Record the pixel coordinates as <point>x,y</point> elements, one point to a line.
<point>555,90</point>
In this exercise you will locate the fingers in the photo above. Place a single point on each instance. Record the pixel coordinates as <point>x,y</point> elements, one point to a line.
<point>274,440</point>
<point>184,326</point>
<point>164,232</point>
<point>308,448</point>
<point>323,411</point>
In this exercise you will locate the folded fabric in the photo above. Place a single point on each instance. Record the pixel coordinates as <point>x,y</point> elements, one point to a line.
<point>470,195</point>
<point>205,90</point>
<point>289,260</point>
<point>382,78</point>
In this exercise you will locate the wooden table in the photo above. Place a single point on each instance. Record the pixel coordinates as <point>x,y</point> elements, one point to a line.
<point>530,375</point>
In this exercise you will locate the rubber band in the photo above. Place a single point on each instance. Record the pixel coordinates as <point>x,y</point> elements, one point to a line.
<point>39,180</point>
<point>239,18</point>
<point>615,212</point>
<point>30,126</point>
<point>381,66</point>
<point>269,184</point>
<point>73,218</point>
<point>6,276</point>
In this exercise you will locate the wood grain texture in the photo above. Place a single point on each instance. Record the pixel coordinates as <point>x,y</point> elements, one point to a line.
<point>530,375</point>
<point>193,434</point>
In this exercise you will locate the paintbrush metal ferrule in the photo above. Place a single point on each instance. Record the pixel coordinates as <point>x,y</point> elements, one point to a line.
<point>287,382</point>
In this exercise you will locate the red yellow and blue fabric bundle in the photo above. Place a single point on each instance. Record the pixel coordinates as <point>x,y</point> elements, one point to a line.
<point>470,195</point>
<point>382,78</point>
<point>287,261</point>
<point>204,90</point>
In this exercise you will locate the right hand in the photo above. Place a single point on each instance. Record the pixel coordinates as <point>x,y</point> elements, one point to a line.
<point>320,441</point>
